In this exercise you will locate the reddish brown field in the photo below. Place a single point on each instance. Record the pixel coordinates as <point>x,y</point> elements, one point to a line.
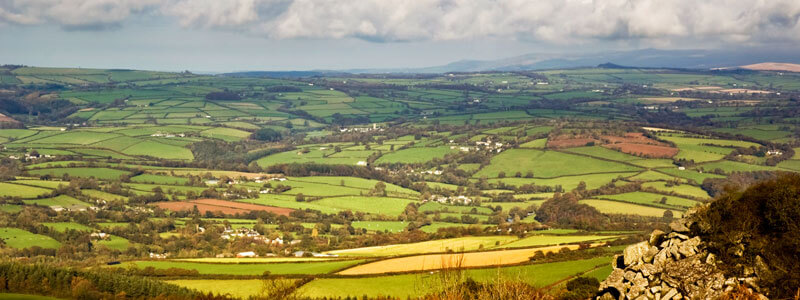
<point>644,150</point>
<point>227,207</point>
<point>4,118</point>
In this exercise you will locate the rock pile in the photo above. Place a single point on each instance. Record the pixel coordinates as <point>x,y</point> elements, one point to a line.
<point>669,266</point>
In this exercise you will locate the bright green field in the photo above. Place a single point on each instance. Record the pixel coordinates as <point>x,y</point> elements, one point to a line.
<point>115,243</point>
<point>159,150</point>
<point>455,244</point>
<point>60,200</point>
<point>67,225</point>
<point>544,240</point>
<point>390,226</point>
<point>415,155</point>
<point>683,189</point>
<point>548,164</point>
<point>22,191</point>
<point>18,238</point>
<point>414,285</point>
<point>99,173</point>
<point>242,288</point>
<point>616,207</point>
<point>7,296</point>
<point>651,199</point>
<point>309,268</point>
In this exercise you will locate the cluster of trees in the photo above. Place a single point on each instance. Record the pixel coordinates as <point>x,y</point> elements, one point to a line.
<point>224,95</point>
<point>75,284</point>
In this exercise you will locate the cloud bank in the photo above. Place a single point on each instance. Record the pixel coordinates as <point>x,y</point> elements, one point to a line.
<point>751,22</point>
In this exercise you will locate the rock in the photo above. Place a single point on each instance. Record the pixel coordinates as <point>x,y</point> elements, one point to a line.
<point>669,294</point>
<point>648,270</point>
<point>711,259</point>
<point>629,275</point>
<point>673,235</point>
<point>634,254</point>
<point>678,226</point>
<point>655,237</point>
<point>650,254</point>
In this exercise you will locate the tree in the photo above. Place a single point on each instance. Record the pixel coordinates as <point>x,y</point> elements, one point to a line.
<point>667,215</point>
<point>267,135</point>
<point>299,197</point>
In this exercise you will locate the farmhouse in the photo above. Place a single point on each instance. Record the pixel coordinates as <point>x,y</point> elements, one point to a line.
<point>246,254</point>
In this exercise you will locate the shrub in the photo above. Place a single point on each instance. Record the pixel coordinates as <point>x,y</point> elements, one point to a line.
<point>764,218</point>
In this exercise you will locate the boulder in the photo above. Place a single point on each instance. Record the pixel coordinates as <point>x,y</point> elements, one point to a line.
<point>634,254</point>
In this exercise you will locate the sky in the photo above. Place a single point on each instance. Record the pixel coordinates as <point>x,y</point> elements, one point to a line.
<point>240,35</point>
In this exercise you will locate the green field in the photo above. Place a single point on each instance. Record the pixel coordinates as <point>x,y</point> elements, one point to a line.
<point>99,173</point>
<point>616,207</point>
<point>22,191</point>
<point>64,226</point>
<point>414,155</point>
<point>413,285</point>
<point>545,240</point>
<point>651,199</point>
<point>548,164</point>
<point>307,268</point>
<point>18,238</point>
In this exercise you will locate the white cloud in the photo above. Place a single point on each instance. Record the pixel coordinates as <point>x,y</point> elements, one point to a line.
<point>551,21</point>
<point>71,14</point>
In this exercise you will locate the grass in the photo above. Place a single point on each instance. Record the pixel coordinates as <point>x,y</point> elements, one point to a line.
<point>355,182</point>
<point>734,166</point>
<point>375,205</point>
<point>64,226</point>
<point>547,164</point>
<point>306,268</point>
<point>689,174</point>
<point>543,240</point>
<point>60,200</point>
<point>18,238</point>
<point>159,150</point>
<point>159,179</point>
<point>431,206</point>
<point>99,173</point>
<point>390,226</point>
<point>415,285</point>
<point>250,260</point>
<point>616,207</point>
<point>651,199</point>
<point>241,288</point>
<point>454,244</point>
<point>567,182</point>
<point>115,243</point>
<point>22,191</point>
<point>415,155</point>
<point>438,261</point>
<point>683,189</point>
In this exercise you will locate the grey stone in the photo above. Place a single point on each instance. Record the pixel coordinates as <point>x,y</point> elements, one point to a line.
<point>670,294</point>
<point>673,235</point>
<point>655,237</point>
<point>633,254</point>
<point>678,226</point>
<point>648,270</point>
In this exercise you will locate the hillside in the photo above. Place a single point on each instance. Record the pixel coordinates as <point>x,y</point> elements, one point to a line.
<point>771,66</point>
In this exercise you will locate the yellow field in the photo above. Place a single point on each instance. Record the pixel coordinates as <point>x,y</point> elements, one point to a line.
<point>441,261</point>
<point>438,246</point>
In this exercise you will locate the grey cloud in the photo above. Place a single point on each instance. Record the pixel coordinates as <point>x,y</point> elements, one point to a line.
<point>72,14</point>
<point>551,21</point>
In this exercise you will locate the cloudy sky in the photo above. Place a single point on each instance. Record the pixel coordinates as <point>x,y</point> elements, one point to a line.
<point>230,35</point>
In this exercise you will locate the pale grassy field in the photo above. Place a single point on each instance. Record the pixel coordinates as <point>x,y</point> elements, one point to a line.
<point>455,244</point>
<point>441,261</point>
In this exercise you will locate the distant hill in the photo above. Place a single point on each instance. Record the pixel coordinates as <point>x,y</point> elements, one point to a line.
<point>642,58</point>
<point>773,66</point>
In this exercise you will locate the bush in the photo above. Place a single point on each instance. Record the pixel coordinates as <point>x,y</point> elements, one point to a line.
<point>758,227</point>
<point>267,134</point>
